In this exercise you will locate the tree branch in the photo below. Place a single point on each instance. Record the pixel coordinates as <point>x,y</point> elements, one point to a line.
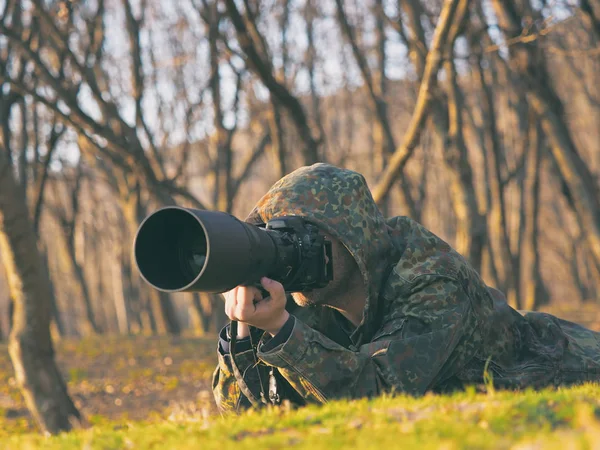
<point>262,68</point>
<point>411,138</point>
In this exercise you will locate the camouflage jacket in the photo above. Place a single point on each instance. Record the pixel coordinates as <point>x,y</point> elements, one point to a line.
<point>430,323</point>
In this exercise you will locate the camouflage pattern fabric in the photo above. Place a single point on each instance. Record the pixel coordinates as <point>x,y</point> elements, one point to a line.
<point>430,322</point>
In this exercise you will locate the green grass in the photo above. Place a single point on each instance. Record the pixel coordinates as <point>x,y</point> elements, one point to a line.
<point>120,378</point>
<point>566,418</point>
<point>153,393</point>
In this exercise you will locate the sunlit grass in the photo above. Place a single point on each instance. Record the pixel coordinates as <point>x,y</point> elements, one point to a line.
<point>117,377</point>
<point>174,409</point>
<point>565,418</point>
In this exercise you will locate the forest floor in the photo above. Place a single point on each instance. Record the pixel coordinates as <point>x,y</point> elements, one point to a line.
<point>121,378</point>
<point>154,393</point>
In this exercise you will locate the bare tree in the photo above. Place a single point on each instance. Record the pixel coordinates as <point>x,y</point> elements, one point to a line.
<point>526,60</point>
<point>31,295</point>
<point>591,9</point>
<point>30,344</point>
<point>411,138</point>
<point>258,60</point>
<point>310,14</point>
<point>68,218</point>
<point>535,292</point>
<point>472,227</point>
<point>376,86</point>
<point>474,113</point>
<point>110,135</point>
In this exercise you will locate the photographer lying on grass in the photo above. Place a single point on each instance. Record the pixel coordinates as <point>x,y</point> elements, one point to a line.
<point>404,312</point>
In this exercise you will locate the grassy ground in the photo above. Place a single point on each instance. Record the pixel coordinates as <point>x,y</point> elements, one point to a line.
<point>560,419</point>
<point>152,393</point>
<point>121,378</point>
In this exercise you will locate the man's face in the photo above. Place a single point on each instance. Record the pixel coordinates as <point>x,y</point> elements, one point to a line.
<point>344,268</point>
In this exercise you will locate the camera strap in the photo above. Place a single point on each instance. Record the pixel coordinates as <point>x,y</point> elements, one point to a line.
<point>238,375</point>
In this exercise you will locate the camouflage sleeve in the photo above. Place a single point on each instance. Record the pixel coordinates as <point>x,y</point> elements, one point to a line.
<point>319,369</point>
<point>227,393</point>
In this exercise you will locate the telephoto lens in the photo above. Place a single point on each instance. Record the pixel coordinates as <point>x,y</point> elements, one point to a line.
<point>189,250</point>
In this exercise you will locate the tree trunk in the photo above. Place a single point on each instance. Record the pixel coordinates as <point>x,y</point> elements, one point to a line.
<point>120,277</point>
<point>128,312</point>
<point>591,10</point>
<point>148,321</point>
<point>30,343</point>
<point>375,81</point>
<point>434,60</point>
<point>197,315</point>
<point>498,227</point>
<point>526,61</point>
<point>472,226</point>
<point>277,138</point>
<point>160,307</point>
<point>55,312</point>
<point>310,13</point>
<point>207,313</point>
<point>89,326</point>
<point>163,312</point>
<point>252,43</point>
<point>217,318</point>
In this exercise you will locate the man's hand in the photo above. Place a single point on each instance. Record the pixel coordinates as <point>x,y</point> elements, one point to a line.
<point>246,305</point>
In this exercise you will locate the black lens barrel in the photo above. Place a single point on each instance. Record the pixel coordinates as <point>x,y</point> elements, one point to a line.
<point>189,250</point>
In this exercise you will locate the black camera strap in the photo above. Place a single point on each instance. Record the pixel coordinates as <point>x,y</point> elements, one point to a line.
<point>238,375</point>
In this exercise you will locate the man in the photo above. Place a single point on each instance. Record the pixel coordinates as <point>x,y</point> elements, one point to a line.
<point>404,313</point>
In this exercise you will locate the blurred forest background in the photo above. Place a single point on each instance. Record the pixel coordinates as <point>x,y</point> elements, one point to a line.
<point>109,109</point>
<point>478,118</point>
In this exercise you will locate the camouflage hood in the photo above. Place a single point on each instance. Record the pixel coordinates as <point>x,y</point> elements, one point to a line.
<point>339,202</point>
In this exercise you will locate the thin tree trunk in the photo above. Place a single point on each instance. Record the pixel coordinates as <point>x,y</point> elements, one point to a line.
<point>525,60</point>
<point>163,312</point>
<point>42,178</point>
<point>498,226</point>
<point>30,344</point>
<point>147,319</point>
<point>55,312</point>
<point>160,305</point>
<point>92,262</point>
<point>535,292</point>
<point>310,13</point>
<point>416,42</point>
<point>277,138</point>
<point>472,226</point>
<point>479,121</point>
<point>129,311</point>
<point>381,127</point>
<point>577,273</point>
<point>252,42</point>
<point>90,325</point>
<point>411,138</point>
<point>69,222</point>
<point>384,142</point>
<point>118,284</point>
<point>197,315</point>
<point>591,9</point>
<point>219,140</point>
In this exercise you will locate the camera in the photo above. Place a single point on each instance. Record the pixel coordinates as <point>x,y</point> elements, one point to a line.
<point>180,249</point>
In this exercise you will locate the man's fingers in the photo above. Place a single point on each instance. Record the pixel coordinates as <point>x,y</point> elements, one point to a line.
<point>246,305</point>
<point>274,288</point>
<point>245,302</point>
<point>230,302</point>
